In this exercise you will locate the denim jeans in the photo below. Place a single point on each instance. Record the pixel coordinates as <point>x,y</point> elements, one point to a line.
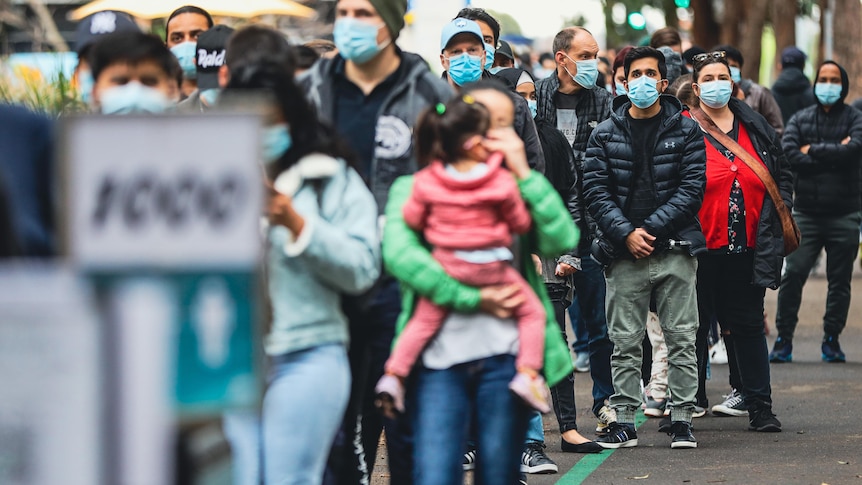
<point>579,328</point>
<point>670,276</point>
<point>839,236</point>
<point>535,429</point>
<point>443,402</point>
<point>242,430</point>
<point>590,290</point>
<point>563,393</point>
<point>724,289</point>
<point>302,410</point>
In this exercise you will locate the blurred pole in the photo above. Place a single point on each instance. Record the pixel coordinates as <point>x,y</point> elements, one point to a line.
<point>829,30</point>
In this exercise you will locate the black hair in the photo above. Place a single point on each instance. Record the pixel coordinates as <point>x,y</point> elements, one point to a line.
<point>645,52</point>
<point>481,15</point>
<point>255,43</point>
<point>305,56</point>
<point>699,65</point>
<point>132,48</point>
<point>271,77</point>
<point>731,53</point>
<point>443,129</point>
<point>547,56</point>
<point>681,88</point>
<point>188,9</point>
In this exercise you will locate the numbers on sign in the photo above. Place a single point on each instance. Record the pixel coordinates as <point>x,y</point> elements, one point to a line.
<point>144,199</point>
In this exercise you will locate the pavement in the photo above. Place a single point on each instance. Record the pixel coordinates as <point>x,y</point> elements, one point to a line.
<point>817,403</point>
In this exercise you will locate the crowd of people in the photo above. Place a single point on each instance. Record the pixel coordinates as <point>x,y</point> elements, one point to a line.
<point>426,236</point>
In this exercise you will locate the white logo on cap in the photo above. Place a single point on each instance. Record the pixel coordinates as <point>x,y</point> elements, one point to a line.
<point>393,138</point>
<point>210,59</point>
<point>461,23</point>
<point>103,23</point>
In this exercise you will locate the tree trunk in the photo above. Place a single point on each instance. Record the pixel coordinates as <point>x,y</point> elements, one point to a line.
<point>48,27</point>
<point>731,25</point>
<point>847,49</point>
<point>783,17</point>
<point>706,30</point>
<point>670,18</point>
<point>752,36</point>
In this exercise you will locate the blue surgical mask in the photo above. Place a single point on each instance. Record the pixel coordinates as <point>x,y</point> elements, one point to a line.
<point>735,74</point>
<point>356,40</point>
<point>620,89</point>
<point>643,92</point>
<point>588,72</point>
<point>715,94</point>
<point>827,93</point>
<point>465,69</point>
<point>133,97</point>
<point>495,70</point>
<point>276,142</point>
<point>541,73</point>
<point>534,106</point>
<point>210,96</point>
<point>489,56</point>
<point>185,53</point>
<point>85,85</point>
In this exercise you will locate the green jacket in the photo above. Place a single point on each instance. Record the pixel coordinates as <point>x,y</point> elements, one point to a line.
<point>406,256</point>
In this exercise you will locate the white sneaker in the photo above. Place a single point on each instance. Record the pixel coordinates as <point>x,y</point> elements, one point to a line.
<point>718,353</point>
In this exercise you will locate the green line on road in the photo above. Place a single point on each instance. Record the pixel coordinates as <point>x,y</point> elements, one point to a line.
<point>589,463</point>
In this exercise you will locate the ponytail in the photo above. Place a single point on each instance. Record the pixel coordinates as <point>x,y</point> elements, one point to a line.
<point>443,129</point>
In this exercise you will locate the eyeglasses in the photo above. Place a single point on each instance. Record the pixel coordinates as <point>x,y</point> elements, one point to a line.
<point>709,55</point>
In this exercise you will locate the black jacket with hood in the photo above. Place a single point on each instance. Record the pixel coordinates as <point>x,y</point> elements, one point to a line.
<point>792,91</point>
<point>678,164</point>
<point>827,179</point>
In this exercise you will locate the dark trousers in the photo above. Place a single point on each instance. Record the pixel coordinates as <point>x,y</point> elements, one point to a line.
<point>563,393</point>
<point>724,289</point>
<point>590,288</point>
<point>839,235</point>
<point>351,461</point>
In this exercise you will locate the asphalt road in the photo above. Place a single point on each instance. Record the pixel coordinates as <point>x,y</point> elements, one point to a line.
<point>818,404</point>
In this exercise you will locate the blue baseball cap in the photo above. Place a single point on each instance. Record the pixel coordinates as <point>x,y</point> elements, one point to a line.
<point>459,26</point>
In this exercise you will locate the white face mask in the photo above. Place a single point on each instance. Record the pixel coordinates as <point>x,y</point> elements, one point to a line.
<point>133,97</point>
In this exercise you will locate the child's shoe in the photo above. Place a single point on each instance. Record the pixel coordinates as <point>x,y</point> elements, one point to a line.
<point>389,395</point>
<point>532,390</point>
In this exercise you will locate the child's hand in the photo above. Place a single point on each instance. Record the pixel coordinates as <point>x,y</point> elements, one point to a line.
<point>564,270</point>
<point>506,141</point>
<point>281,212</point>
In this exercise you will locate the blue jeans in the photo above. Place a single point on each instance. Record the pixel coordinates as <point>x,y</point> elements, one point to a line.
<point>443,402</point>
<point>590,290</point>
<point>302,411</point>
<point>582,337</point>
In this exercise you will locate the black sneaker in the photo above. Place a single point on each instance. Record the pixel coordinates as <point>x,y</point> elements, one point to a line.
<point>831,350</point>
<point>664,425</point>
<point>469,460</point>
<point>535,461</point>
<point>619,436</point>
<point>682,437</point>
<point>764,421</point>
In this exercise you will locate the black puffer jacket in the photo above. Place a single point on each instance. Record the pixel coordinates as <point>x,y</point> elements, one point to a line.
<point>769,248</point>
<point>826,180</point>
<point>792,92</point>
<point>678,170</point>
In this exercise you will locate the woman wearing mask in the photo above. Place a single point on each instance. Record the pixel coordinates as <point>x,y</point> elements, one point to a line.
<point>323,243</point>
<point>743,234</point>
<point>619,73</point>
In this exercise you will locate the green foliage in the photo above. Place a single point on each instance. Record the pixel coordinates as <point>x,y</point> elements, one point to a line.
<point>508,24</point>
<point>27,87</point>
<point>576,21</point>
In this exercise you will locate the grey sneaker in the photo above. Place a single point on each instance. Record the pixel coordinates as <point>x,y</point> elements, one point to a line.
<point>733,405</point>
<point>654,408</point>
<point>534,460</point>
<point>582,362</point>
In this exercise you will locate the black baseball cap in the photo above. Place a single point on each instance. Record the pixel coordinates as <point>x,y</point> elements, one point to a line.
<point>211,49</point>
<point>504,49</point>
<point>102,23</point>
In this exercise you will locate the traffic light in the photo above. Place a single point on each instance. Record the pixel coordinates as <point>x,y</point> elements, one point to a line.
<point>682,3</point>
<point>637,21</point>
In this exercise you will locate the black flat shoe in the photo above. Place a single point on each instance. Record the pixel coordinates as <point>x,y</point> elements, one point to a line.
<point>587,447</point>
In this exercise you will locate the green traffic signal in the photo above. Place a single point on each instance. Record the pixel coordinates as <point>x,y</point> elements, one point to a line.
<point>682,3</point>
<point>637,21</point>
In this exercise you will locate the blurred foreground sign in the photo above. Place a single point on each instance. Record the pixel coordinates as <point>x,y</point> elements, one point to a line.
<point>162,191</point>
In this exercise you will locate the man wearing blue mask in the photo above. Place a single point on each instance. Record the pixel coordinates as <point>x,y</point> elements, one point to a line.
<point>373,93</point>
<point>757,97</point>
<point>644,180</point>
<point>463,57</point>
<point>570,100</point>
<point>824,145</point>
<point>133,73</point>
<point>87,33</point>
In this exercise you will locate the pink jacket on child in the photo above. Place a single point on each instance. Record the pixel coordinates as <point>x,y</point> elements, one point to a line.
<point>463,215</point>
